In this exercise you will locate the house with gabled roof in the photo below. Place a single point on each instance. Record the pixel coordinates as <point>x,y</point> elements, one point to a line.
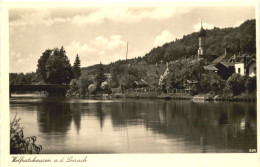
<point>222,65</point>
<point>251,68</point>
<point>246,66</point>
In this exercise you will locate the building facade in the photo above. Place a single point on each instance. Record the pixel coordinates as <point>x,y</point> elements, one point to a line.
<point>251,68</point>
<point>202,38</point>
<point>246,66</point>
<point>240,69</point>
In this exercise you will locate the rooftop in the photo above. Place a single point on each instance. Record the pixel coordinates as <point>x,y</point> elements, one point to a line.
<point>210,68</point>
<point>228,64</point>
<point>222,58</point>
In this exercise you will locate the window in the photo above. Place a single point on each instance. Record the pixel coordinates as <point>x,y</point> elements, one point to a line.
<point>238,70</point>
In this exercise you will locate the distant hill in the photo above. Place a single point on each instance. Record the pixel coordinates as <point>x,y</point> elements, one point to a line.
<point>238,39</point>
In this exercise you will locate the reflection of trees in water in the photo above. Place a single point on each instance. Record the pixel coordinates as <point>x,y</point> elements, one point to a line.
<point>223,125</point>
<point>55,116</point>
<point>226,125</point>
<point>97,109</point>
<point>75,109</point>
<point>100,114</point>
<point>128,113</point>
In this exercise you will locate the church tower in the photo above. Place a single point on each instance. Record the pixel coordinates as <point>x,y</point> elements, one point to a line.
<point>202,36</point>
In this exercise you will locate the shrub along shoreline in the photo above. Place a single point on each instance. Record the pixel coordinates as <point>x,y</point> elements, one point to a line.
<point>244,97</point>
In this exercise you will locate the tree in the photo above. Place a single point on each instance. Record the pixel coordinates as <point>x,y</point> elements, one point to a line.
<point>54,66</point>
<point>76,67</point>
<point>235,84</point>
<point>74,85</point>
<point>250,84</point>
<point>212,82</point>
<point>100,77</point>
<point>184,70</point>
<point>177,75</point>
<point>127,80</point>
<point>84,83</point>
<point>195,71</point>
<point>41,70</point>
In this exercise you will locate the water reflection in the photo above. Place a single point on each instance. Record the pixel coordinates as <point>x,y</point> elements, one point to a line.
<point>224,125</point>
<point>54,116</point>
<point>200,127</point>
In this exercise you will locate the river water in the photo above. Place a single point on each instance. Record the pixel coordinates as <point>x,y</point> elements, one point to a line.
<point>65,125</point>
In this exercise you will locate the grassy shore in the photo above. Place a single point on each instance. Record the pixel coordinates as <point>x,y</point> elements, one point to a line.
<point>246,97</point>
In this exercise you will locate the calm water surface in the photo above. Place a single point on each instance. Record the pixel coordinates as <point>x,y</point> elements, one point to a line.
<point>64,125</point>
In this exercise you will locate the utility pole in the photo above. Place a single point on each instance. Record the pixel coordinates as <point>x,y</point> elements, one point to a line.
<point>126,50</point>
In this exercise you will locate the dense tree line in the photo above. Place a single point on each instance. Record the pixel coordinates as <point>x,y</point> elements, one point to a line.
<point>89,82</point>
<point>94,81</point>
<point>22,79</point>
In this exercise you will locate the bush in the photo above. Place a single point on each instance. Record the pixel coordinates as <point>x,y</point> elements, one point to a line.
<point>212,82</point>
<point>235,84</point>
<point>84,81</point>
<point>250,84</point>
<point>92,88</point>
<point>20,144</point>
<point>74,85</point>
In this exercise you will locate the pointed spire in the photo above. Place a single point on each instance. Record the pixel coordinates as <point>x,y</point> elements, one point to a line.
<point>202,32</point>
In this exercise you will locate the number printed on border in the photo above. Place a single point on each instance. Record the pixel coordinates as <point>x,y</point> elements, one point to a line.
<point>252,150</point>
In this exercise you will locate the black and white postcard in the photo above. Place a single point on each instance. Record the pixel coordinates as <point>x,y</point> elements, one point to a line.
<point>129,84</point>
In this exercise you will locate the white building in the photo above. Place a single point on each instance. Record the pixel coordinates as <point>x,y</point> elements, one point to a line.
<point>251,68</point>
<point>240,69</point>
<point>246,68</point>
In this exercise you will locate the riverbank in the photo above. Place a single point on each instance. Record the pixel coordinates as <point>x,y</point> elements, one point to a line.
<point>244,97</point>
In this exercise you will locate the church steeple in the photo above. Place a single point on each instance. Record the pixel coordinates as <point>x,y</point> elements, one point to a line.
<point>202,36</point>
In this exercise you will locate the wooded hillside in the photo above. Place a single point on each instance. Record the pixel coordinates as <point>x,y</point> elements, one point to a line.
<point>238,39</point>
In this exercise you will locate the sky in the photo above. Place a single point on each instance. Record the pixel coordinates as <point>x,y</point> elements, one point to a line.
<point>100,34</point>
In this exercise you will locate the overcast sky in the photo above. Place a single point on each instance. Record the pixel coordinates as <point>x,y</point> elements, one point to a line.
<point>101,34</point>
